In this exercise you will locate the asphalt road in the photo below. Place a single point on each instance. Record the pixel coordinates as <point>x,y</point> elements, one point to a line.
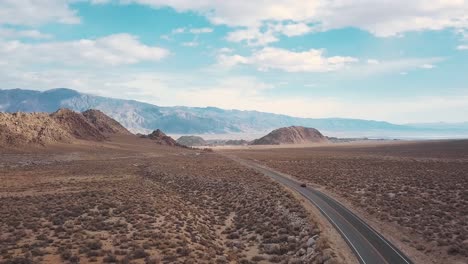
<point>369,246</point>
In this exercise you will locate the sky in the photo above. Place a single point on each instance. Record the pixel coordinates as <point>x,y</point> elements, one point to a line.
<point>392,60</point>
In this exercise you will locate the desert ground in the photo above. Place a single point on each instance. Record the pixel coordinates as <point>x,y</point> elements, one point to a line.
<point>129,200</point>
<point>415,193</point>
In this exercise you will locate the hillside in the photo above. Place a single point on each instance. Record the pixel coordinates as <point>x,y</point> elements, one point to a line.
<point>104,123</point>
<point>191,141</point>
<point>291,135</point>
<point>160,138</point>
<point>30,128</point>
<point>144,118</point>
<point>64,125</point>
<point>76,125</point>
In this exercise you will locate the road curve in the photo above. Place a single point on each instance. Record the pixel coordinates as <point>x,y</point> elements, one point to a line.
<point>369,246</point>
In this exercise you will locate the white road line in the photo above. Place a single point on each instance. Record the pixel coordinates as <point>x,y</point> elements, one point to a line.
<point>323,212</point>
<point>331,220</point>
<point>334,223</point>
<point>370,228</point>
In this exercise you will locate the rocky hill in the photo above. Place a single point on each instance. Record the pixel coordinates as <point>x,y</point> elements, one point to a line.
<point>64,125</point>
<point>30,128</point>
<point>191,141</point>
<point>104,123</point>
<point>77,125</point>
<point>291,135</point>
<point>160,138</point>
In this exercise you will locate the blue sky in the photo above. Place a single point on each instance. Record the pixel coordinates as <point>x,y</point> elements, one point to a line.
<point>397,61</point>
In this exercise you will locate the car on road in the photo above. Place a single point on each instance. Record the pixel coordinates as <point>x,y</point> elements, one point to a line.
<point>303,185</point>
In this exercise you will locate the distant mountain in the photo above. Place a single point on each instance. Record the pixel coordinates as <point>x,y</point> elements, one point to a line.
<point>440,125</point>
<point>144,117</point>
<point>291,135</point>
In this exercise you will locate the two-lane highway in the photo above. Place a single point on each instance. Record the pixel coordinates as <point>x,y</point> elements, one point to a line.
<point>369,246</point>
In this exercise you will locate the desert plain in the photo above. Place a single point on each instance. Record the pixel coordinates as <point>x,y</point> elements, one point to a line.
<point>413,192</point>
<point>129,200</point>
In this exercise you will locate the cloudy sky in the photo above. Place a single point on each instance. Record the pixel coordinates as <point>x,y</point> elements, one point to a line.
<point>393,60</point>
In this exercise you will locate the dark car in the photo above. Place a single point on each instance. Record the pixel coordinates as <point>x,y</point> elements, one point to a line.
<point>303,185</point>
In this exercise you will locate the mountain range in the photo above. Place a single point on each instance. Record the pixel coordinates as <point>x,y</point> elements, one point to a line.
<point>144,117</point>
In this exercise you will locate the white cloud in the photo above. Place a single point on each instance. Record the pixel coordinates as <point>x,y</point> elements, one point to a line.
<point>178,30</point>
<point>463,32</point>
<point>35,12</point>
<point>231,60</point>
<point>292,29</point>
<point>225,50</point>
<point>262,36</point>
<point>201,30</point>
<point>402,66</point>
<point>428,66</point>
<point>373,61</point>
<point>115,49</point>
<point>252,36</point>
<point>462,47</point>
<point>391,18</point>
<point>275,58</point>
<point>190,44</point>
<point>166,37</point>
<point>381,18</point>
<point>99,2</point>
<point>195,31</point>
<point>243,12</point>
<point>8,33</point>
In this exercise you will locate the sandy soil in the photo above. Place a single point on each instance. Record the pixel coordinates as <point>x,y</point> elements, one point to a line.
<point>413,192</point>
<point>132,201</point>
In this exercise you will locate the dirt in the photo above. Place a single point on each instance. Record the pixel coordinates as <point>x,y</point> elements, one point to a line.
<point>291,135</point>
<point>414,192</point>
<point>125,200</point>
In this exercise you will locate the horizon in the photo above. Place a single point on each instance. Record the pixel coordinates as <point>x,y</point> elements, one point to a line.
<point>247,110</point>
<point>308,59</point>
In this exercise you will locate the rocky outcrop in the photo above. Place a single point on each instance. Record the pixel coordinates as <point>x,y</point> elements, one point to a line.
<point>104,123</point>
<point>291,135</point>
<point>77,125</point>
<point>158,137</point>
<point>191,141</point>
<point>17,129</point>
<point>64,125</point>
